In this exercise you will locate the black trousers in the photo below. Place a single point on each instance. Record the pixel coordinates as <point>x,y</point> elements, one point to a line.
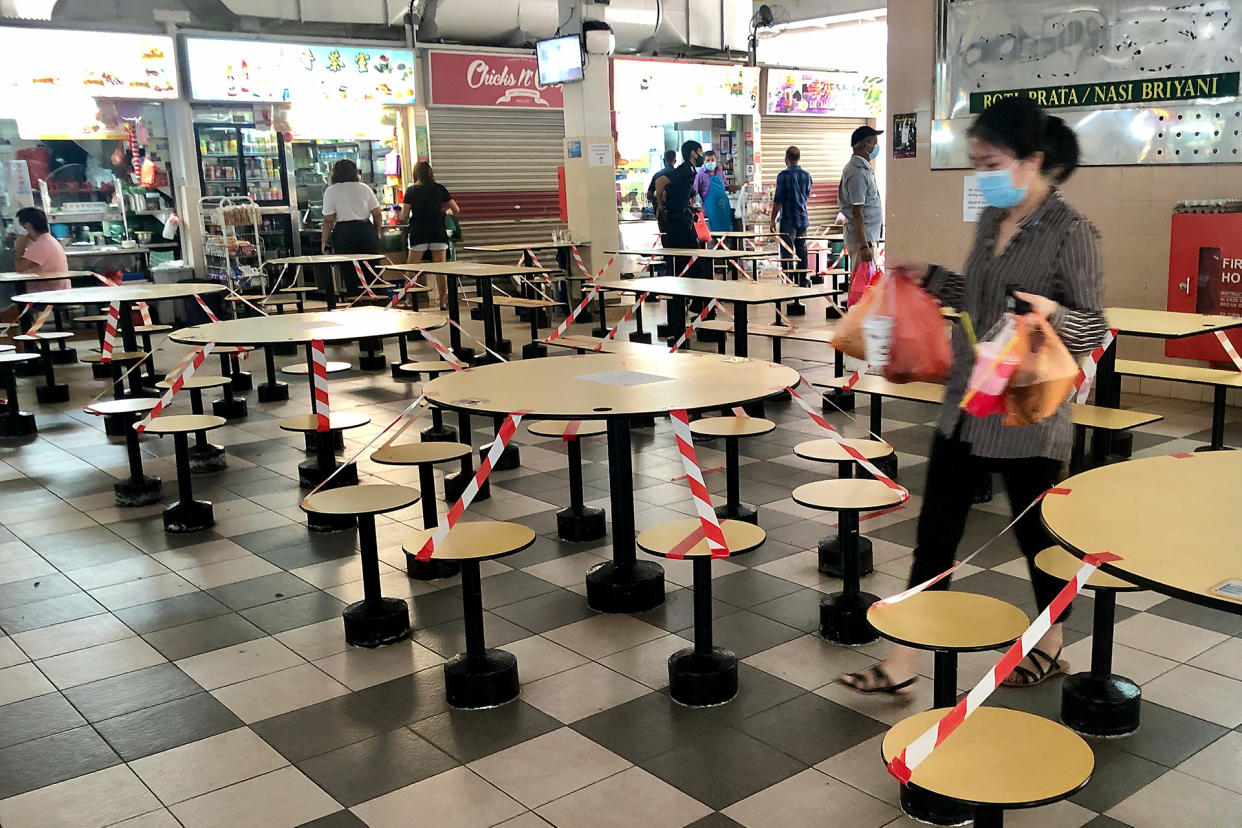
<point>679,232</point>
<point>795,239</point>
<point>953,474</point>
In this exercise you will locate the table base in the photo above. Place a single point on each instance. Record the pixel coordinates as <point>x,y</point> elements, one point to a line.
<point>510,458</point>
<point>138,492</point>
<point>534,350</point>
<point>795,308</point>
<point>234,409</point>
<point>576,526</point>
<point>438,433</point>
<point>316,522</point>
<point>843,618</point>
<point>934,809</point>
<point>702,679</point>
<point>455,485</point>
<point>644,337</point>
<point>487,680</point>
<point>837,399</point>
<point>741,511</point>
<point>831,563</point>
<point>65,356</point>
<point>310,474</point>
<point>186,517</point>
<point>273,392</point>
<point>51,394</point>
<point>376,623</point>
<point>207,458</point>
<point>431,570</point>
<point>19,424</point>
<point>624,589</point>
<point>1100,706</point>
<point>242,381</point>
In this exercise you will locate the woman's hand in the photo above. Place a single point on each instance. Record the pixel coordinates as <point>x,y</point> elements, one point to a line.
<point>1042,305</point>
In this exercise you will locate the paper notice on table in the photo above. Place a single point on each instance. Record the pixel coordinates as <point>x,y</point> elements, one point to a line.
<point>972,200</point>
<point>1231,589</point>
<point>599,155</point>
<point>626,378</point>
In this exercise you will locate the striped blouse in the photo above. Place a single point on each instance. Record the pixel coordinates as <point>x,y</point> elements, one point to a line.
<point>1056,254</point>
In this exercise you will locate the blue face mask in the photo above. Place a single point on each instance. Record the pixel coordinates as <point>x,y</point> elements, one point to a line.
<point>710,166</point>
<point>998,189</point>
<point>875,151</point>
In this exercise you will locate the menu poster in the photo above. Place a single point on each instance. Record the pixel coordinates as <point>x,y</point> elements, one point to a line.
<point>251,71</point>
<point>663,89</point>
<point>837,94</point>
<point>61,63</point>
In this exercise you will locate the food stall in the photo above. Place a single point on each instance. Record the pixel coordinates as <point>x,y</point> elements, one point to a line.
<point>83,136</point>
<point>271,118</point>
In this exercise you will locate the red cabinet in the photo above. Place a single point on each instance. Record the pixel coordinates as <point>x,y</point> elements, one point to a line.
<point>1205,276</point>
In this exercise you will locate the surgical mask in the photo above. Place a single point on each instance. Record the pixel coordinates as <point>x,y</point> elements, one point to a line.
<point>875,151</point>
<point>998,189</point>
<point>710,166</point>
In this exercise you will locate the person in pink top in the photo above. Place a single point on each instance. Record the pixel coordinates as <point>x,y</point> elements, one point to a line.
<point>39,252</point>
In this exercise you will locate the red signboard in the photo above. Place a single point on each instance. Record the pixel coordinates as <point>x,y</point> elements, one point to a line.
<point>489,79</point>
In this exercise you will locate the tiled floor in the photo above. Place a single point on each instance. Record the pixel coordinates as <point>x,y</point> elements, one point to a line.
<point>148,680</point>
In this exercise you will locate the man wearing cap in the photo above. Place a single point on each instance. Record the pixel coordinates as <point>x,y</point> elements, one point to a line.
<point>859,197</point>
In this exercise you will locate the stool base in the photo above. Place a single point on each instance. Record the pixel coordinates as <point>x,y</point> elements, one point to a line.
<point>101,371</point>
<point>191,516</point>
<point>310,475</point>
<point>587,525</point>
<point>934,809</point>
<point>47,394</point>
<point>21,424</point>
<point>274,392</point>
<point>1100,706</point>
<point>233,409</point>
<point>242,381</point>
<point>843,618</point>
<point>431,570</point>
<point>64,356</point>
<point>534,350</point>
<point>443,434</point>
<point>837,398</point>
<point>370,626</point>
<point>372,363</point>
<point>701,680</point>
<point>744,512</point>
<point>456,483</point>
<point>207,458</point>
<point>796,308</point>
<point>830,557</point>
<point>316,522</point>
<point>116,426</point>
<point>474,683</point>
<point>644,337</point>
<point>140,492</point>
<point>309,439</point>
<point>510,458</point>
<point>633,588</point>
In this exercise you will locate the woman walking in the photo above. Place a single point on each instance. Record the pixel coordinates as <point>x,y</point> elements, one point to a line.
<point>1028,239</point>
<point>423,208</point>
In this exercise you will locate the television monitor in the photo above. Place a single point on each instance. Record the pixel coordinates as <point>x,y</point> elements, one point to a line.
<point>559,59</point>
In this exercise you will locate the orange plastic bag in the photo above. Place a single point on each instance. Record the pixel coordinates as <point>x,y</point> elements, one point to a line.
<point>848,336</point>
<point>862,277</point>
<point>1044,376</point>
<point>919,351</point>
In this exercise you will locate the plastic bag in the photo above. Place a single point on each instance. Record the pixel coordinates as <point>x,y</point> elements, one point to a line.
<point>701,229</point>
<point>1044,377</point>
<point>919,349</point>
<point>996,359</point>
<point>848,337</point>
<point>862,277</point>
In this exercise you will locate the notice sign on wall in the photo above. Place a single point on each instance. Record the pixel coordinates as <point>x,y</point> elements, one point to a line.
<point>1153,90</point>
<point>972,200</point>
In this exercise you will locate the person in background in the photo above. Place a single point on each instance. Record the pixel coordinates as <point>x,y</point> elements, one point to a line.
<point>351,213</point>
<point>670,163</point>
<point>859,197</point>
<point>709,183</point>
<point>679,212</point>
<point>793,190</point>
<point>743,203</point>
<point>423,209</point>
<point>1030,238</point>
<point>38,251</point>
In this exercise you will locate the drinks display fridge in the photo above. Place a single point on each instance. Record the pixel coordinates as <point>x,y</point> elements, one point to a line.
<point>242,160</point>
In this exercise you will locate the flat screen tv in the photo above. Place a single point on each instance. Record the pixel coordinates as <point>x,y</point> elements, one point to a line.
<point>559,59</point>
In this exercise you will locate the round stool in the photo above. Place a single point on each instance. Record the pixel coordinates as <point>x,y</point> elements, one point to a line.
<point>205,457</point>
<point>228,406</point>
<point>121,362</point>
<point>704,674</point>
<point>843,615</point>
<point>425,456</point>
<point>1096,703</point>
<point>140,489</point>
<point>300,369</point>
<point>733,429</point>
<point>947,623</point>
<point>375,620</point>
<point>314,471</point>
<point>437,431</point>
<point>29,345</point>
<point>13,421</point>
<point>828,450</point>
<point>579,522</point>
<point>479,677</point>
<point>187,514</point>
<point>997,759</point>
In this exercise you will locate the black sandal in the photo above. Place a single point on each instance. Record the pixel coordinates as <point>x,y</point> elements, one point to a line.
<point>874,680</point>
<point>1026,677</point>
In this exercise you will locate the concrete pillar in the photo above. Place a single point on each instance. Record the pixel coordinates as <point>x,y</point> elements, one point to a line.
<point>589,151</point>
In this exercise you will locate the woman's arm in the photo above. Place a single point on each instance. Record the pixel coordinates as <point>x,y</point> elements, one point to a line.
<point>450,206</point>
<point>405,213</point>
<point>1079,316</point>
<point>377,216</point>
<point>329,221</point>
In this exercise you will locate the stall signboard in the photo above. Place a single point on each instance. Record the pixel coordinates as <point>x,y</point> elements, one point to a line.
<point>666,90</point>
<point>833,94</point>
<point>490,79</point>
<point>60,63</point>
<point>251,71</point>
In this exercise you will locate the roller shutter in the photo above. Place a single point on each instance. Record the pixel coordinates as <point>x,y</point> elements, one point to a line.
<point>500,165</point>
<point>825,147</point>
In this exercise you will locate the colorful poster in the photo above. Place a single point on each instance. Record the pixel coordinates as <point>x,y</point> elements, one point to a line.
<point>100,64</point>
<point>489,79</point>
<point>664,90</point>
<point>254,71</point>
<point>836,94</point>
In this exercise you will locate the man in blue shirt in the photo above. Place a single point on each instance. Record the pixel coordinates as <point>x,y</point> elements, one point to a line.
<point>793,189</point>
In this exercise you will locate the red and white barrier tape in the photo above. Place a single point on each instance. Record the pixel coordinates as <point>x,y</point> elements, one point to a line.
<point>569,320</point>
<point>577,257</point>
<point>903,764</point>
<point>854,453</point>
<point>507,430</point>
<point>405,417</point>
<point>689,265</point>
<point>445,354</point>
<point>626,318</point>
<point>400,293</point>
<point>144,313</point>
<point>853,378</point>
<point>110,326</point>
<point>708,522</point>
<point>39,321</point>
<point>319,365</point>
<point>534,260</point>
<point>690,328</point>
<point>476,340</point>
<point>1229,349</point>
<point>366,286</point>
<point>279,277</point>
<point>571,430</point>
<point>176,380</point>
<point>206,309</point>
<point>1086,376</point>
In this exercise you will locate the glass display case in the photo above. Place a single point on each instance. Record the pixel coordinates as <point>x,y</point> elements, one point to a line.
<point>242,160</point>
<point>313,161</point>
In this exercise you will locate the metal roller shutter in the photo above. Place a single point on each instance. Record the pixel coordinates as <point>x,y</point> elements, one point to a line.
<point>825,147</point>
<point>500,165</point>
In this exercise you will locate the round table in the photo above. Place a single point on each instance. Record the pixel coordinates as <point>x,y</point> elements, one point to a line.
<point>614,388</point>
<point>322,263</point>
